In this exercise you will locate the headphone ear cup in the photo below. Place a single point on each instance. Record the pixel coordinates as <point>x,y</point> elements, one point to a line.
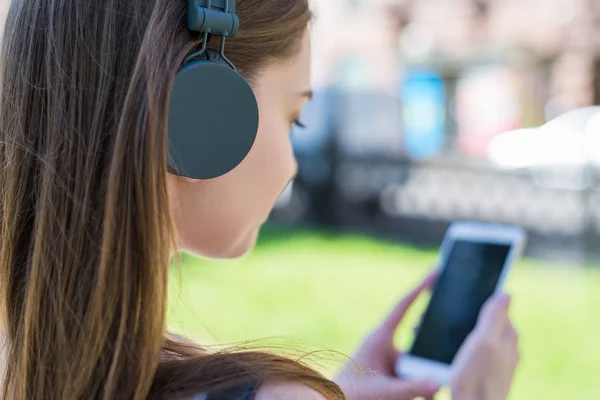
<point>213,120</point>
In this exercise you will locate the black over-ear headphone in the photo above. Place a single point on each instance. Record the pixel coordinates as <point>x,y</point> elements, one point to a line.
<point>213,113</point>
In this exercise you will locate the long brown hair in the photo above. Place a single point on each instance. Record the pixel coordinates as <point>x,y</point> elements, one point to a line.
<point>85,231</point>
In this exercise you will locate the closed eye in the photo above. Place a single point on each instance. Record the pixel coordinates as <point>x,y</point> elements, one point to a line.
<point>299,124</point>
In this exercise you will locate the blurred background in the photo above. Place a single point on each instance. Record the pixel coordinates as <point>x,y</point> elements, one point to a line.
<point>412,98</point>
<point>423,115</point>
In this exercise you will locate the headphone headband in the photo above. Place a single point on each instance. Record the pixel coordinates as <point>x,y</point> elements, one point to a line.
<point>216,17</point>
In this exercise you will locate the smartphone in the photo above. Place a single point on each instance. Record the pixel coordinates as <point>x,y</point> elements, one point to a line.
<point>474,261</point>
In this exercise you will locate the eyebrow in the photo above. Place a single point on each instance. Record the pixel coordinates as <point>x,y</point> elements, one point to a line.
<point>308,94</point>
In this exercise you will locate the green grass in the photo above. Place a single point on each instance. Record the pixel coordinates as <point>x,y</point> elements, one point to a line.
<point>313,291</point>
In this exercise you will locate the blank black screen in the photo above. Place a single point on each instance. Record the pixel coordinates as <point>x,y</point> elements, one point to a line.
<point>469,278</point>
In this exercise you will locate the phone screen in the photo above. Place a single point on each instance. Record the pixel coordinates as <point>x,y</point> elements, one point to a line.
<point>468,279</point>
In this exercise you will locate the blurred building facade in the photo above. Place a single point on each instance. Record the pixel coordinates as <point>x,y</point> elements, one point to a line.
<point>411,96</point>
<point>562,36</point>
<point>505,64</point>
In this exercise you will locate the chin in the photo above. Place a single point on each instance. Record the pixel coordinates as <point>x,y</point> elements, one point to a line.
<point>227,251</point>
<point>243,247</point>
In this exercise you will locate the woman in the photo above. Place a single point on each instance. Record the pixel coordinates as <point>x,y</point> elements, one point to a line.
<point>90,215</point>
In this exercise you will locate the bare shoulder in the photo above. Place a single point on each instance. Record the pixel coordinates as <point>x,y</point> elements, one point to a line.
<point>287,391</point>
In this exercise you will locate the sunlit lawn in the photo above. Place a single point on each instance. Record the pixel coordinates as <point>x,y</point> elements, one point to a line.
<point>311,291</point>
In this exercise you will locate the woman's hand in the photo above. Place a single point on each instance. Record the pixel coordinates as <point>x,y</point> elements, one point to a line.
<point>371,375</point>
<point>484,366</point>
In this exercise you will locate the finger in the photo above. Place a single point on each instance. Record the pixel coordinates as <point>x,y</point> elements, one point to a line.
<point>511,340</point>
<point>399,389</point>
<point>494,315</point>
<point>390,359</point>
<point>393,319</point>
<point>432,279</point>
<point>511,335</point>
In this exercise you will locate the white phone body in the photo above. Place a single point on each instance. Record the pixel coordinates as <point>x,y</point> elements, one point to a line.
<point>501,243</point>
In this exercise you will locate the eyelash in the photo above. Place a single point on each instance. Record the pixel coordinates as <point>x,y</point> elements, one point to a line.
<point>299,124</point>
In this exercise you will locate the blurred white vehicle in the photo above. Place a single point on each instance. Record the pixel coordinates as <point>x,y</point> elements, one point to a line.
<point>558,154</point>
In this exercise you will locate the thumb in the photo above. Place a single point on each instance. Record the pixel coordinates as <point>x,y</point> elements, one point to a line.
<point>392,321</point>
<point>494,315</point>
<point>407,390</point>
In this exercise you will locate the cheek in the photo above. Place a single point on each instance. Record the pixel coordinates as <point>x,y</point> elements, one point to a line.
<point>271,162</point>
<point>269,167</point>
<point>220,217</point>
<point>273,151</point>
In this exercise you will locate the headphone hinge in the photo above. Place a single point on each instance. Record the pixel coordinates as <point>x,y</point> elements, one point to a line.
<point>210,16</point>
